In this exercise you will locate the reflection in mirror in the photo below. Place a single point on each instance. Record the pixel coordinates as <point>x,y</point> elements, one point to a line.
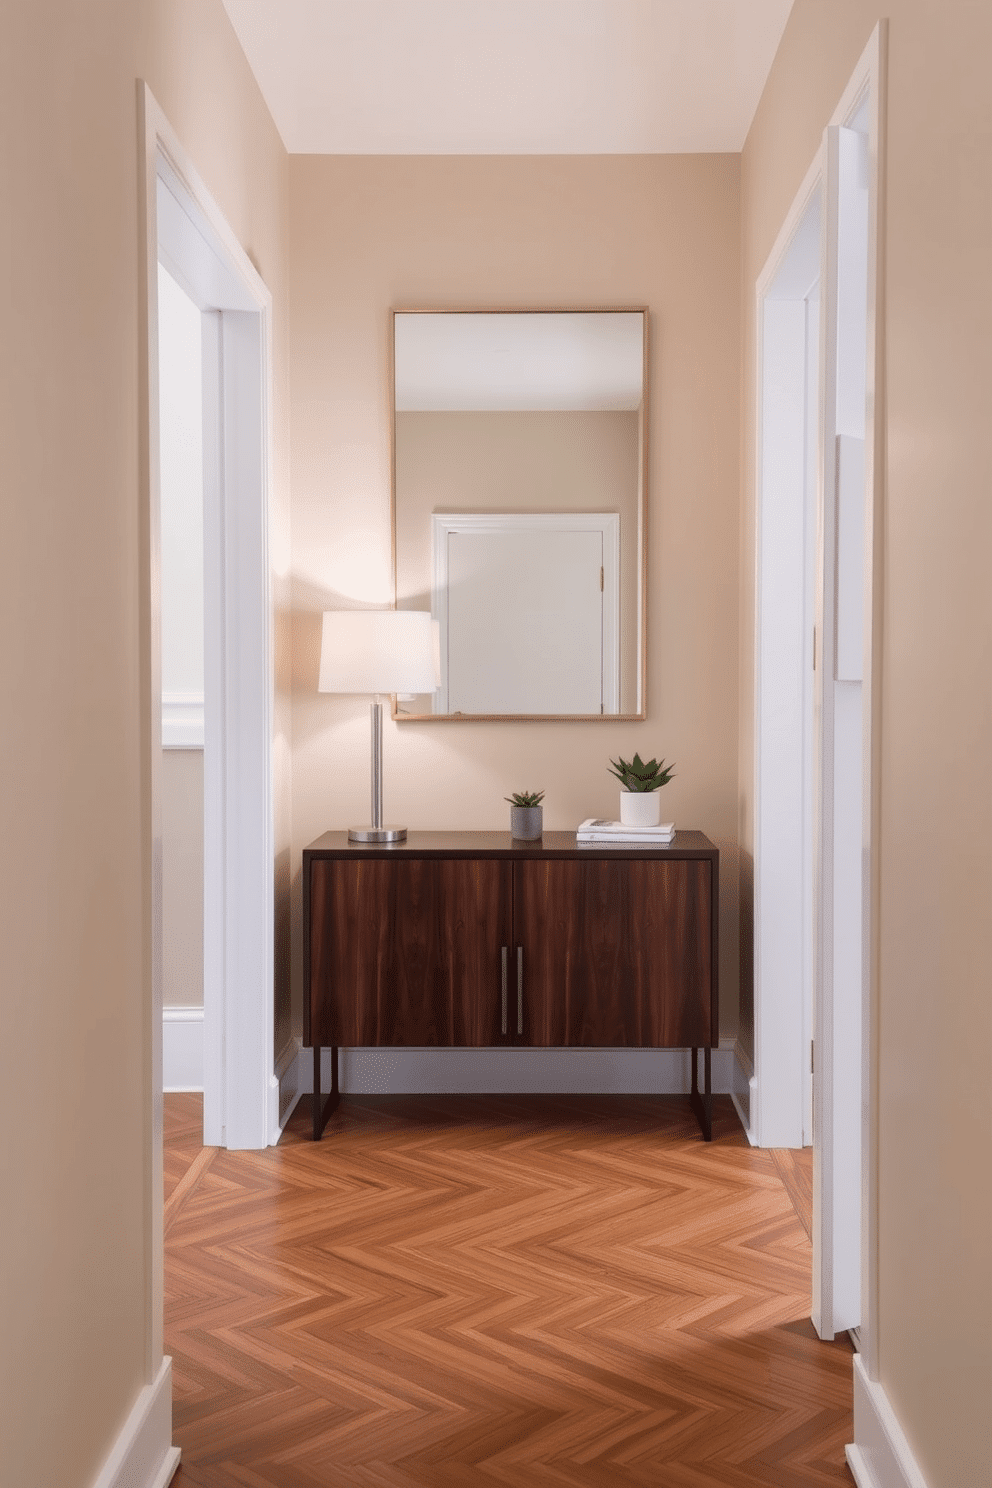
<point>519,454</point>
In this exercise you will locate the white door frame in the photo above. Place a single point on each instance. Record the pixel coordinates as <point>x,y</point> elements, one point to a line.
<point>181,223</point>
<point>785,523</point>
<point>863,96</point>
<point>776,1089</point>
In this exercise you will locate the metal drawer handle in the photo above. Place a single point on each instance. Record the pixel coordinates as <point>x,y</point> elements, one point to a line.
<point>504,989</point>
<point>520,989</point>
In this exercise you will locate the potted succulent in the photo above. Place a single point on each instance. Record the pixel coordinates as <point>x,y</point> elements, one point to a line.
<point>526,814</point>
<point>640,805</point>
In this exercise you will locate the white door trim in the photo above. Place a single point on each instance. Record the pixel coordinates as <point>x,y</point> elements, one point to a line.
<point>863,97</point>
<point>181,223</point>
<point>870,79</point>
<point>782,824</point>
<point>866,90</point>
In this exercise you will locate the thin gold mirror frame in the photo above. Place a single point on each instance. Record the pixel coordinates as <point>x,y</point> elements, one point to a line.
<point>640,715</point>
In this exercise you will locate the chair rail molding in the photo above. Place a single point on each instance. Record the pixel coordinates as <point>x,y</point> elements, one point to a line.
<point>182,720</point>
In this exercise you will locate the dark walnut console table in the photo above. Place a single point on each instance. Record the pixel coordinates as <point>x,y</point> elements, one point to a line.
<point>474,939</point>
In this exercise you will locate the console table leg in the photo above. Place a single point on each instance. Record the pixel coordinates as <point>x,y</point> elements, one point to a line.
<point>702,1103</point>
<point>323,1109</point>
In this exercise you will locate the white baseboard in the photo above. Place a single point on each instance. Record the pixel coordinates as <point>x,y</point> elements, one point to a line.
<point>744,1090</point>
<point>143,1455</point>
<point>284,1089</point>
<point>880,1456</point>
<point>506,1071</point>
<point>471,1071</point>
<point>182,1048</point>
<point>450,1071</point>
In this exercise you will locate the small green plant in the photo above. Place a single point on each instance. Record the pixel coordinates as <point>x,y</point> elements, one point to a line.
<point>525,798</point>
<point>635,775</point>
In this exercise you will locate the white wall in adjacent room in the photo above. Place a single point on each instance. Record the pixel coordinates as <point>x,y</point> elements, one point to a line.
<point>181,466</point>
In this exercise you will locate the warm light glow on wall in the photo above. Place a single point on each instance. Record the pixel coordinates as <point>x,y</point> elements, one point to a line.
<point>356,570</point>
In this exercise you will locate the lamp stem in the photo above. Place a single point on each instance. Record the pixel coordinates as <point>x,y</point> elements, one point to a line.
<point>376,713</point>
<point>376,832</point>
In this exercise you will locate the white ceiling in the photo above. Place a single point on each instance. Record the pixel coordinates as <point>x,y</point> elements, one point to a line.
<point>510,77</point>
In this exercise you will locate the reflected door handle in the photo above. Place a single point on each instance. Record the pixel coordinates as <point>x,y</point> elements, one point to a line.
<point>520,989</point>
<point>504,988</point>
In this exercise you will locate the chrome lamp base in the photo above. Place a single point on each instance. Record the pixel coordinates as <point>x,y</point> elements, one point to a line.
<point>375,831</point>
<point>377,834</point>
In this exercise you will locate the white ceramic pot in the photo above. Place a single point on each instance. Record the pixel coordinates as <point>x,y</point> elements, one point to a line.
<point>640,808</point>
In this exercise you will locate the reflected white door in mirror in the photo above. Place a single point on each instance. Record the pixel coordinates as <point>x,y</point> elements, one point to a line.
<point>528,612</point>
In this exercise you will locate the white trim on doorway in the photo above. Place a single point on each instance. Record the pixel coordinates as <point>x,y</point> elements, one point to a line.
<point>867,90</point>
<point>787,324</point>
<point>837,1112</point>
<point>862,108</point>
<point>184,229</point>
<point>846,1148</point>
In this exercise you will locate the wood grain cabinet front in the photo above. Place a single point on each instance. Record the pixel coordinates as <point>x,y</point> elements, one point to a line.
<point>614,954</point>
<point>474,940</point>
<point>408,951</point>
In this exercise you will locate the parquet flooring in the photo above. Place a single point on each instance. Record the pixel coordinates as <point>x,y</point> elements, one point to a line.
<point>495,1291</point>
<point>795,1168</point>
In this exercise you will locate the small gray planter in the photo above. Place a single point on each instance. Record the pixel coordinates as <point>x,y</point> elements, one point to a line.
<point>526,822</point>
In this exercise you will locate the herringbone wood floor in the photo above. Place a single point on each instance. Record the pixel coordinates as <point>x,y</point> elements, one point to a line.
<point>504,1291</point>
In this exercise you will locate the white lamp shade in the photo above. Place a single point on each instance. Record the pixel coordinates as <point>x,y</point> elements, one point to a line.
<point>377,651</point>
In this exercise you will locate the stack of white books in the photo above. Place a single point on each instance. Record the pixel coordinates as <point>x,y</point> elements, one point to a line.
<point>597,829</point>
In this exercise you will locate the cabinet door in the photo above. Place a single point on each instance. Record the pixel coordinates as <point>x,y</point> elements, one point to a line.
<point>616,953</point>
<point>406,951</point>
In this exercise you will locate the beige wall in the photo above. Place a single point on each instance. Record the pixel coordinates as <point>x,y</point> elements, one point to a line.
<point>182,877</point>
<point>75,1268</point>
<point>371,234</point>
<point>935,1012</point>
<point>367,235</point>
<point>513,462</point>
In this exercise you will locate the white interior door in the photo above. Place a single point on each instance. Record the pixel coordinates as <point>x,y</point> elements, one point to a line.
<point>525,623</point>
<point>839,890</point>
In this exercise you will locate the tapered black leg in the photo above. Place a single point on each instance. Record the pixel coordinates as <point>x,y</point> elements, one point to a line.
<point>702,1102</point>
<point>321,1110</point>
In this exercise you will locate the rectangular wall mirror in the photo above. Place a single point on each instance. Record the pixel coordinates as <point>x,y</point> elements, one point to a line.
<point>519,508</point>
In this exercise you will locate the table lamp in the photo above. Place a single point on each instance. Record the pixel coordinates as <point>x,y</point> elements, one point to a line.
<point>377,651</point>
